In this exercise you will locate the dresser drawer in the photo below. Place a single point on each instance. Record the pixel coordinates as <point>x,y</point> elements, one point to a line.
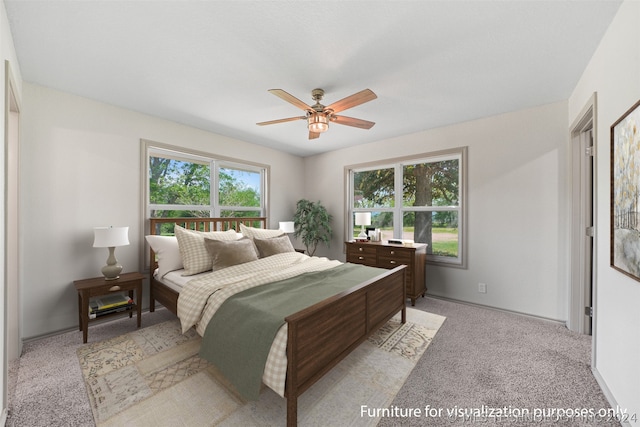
<point>393,262</point>
<point>378,254</point>
<point>362,254</point>
<point>400,255</point>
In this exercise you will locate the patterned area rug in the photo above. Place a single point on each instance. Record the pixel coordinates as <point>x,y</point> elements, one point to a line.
<point>154,377</point>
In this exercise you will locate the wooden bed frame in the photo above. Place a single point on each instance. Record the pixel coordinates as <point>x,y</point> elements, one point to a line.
<point>320,336</point>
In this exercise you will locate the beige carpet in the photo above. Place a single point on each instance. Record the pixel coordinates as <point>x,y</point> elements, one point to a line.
<point>154,377</point>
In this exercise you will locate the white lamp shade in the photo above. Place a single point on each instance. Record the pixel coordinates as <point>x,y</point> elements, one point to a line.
<point>287,227</point>
<point>363,218</point>
<point>109,237</point>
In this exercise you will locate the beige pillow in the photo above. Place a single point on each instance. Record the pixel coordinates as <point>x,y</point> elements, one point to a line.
<point>274,245</point>
<point>259,233</point>
<point>195,257</point>
<point>228,253</point>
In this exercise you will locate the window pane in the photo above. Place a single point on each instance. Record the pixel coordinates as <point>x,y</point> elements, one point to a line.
<point>380,220</point>
<point>177,182</point>
<point>226,213</point>
<point>373,189</point>
<point>239,188</point>
<point>438,229</point>
<point>431,184</point>
<point>165,229</point>
<point>166,213</point>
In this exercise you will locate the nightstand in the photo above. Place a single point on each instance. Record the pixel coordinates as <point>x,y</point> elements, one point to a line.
<point>98,286</point>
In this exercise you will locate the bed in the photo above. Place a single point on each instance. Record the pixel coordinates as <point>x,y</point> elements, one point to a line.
<point>352,314</point>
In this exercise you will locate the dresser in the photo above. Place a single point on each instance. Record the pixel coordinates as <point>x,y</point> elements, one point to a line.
<point>384,255</point>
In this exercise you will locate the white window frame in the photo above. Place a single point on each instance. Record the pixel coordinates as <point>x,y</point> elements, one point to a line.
<point>398,211</point>
<point>156,149</point>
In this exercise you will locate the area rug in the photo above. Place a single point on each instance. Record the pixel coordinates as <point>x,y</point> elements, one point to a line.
<point>154,377</point>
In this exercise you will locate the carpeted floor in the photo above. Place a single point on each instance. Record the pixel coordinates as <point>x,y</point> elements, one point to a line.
<point>494,366</point>
<point>46,382</point>
<point>479,359</point>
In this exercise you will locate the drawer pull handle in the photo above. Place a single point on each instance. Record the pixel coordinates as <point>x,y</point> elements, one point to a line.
<point>360,257</point>
<point>392,262</point>
<point>393,253</point>
<point>360,249</point>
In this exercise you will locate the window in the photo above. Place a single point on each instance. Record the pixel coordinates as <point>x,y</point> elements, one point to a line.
<point>187,184</point>
<point>419,198</point>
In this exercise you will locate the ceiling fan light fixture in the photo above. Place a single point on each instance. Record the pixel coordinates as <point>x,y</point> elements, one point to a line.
<point>318,122</point>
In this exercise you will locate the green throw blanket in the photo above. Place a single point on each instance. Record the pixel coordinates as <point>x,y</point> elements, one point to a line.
<point>238,337</point>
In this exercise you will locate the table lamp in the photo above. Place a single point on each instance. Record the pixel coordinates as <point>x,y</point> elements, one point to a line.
<point>287,227</point>
<point>362,219</point>
<point>110,237</point>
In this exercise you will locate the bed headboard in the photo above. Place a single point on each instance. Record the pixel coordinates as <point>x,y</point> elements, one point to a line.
<point>200,224</point>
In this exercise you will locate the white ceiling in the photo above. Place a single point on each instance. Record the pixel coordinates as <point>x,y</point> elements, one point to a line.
<point>209,64</point>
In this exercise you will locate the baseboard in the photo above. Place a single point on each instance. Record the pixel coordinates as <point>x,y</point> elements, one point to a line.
<point>608,395</point>
<point>504,310</point>
<point>75,328</point>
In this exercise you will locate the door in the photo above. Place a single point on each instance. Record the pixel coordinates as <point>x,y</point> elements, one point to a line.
<point>586,223</point>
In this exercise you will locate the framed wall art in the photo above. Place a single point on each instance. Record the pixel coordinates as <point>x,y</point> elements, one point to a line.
<point>625,193</point>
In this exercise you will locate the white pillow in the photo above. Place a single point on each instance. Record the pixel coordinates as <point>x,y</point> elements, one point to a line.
<point>167,253</point>
<point>195,257</point>
<point>259,233</point>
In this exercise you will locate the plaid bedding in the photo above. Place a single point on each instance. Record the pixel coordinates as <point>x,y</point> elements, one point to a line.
<point>201,297</point>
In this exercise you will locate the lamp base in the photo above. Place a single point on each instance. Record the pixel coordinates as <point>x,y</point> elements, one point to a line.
<point>362,234</point>
<point>112,270</point>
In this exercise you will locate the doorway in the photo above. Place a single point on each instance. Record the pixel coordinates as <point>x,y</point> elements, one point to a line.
<point>582,219</point>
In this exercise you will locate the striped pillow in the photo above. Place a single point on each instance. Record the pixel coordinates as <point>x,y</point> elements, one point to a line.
<point>195,257</point>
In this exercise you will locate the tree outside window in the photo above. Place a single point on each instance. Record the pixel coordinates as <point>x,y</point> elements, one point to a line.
<point>418,199</point>
<point>180,185</point>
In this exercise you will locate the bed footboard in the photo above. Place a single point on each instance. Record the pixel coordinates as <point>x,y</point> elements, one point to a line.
<point>322,335</point>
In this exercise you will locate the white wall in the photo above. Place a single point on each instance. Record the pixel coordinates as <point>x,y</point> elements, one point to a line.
<point>81,169</point>
<point>516,208</point>
<point>614,73</point>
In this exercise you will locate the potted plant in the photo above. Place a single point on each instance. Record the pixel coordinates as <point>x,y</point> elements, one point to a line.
<point>312,224</point>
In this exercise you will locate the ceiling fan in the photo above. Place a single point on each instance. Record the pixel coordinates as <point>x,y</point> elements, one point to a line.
<point>318,116</point>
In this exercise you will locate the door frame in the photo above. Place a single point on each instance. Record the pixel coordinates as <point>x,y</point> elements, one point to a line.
<point>12,331</point>
<point>582,284</point>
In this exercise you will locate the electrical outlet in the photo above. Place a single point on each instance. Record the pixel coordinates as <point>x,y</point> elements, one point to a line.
<point>482,288</point>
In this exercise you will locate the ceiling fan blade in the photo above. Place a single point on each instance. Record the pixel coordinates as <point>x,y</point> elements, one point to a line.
<point>350,121</point>
<point>352,101</point>
<point>273,122</point>
<point>290,99</point>
<point>313,135</point>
